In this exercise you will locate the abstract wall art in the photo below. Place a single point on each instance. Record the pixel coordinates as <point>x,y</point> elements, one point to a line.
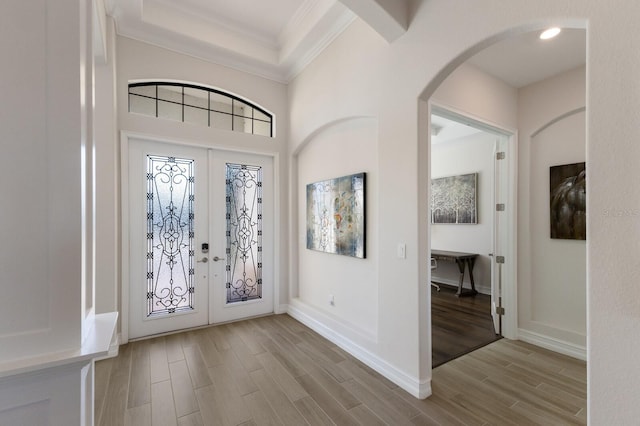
<point>336,215</point>
<point>568,201</point>
<point>454,199</point>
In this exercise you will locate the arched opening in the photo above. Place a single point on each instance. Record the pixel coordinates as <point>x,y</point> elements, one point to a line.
<point>528,306</point>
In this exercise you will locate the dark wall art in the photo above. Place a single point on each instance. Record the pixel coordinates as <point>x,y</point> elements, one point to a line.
<point>568,201</point>
<point>336,215</point>
<point>454,199</point>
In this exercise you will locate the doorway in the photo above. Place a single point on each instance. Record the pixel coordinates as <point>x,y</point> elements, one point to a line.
<point>201,237</point>
<point>469,231</point>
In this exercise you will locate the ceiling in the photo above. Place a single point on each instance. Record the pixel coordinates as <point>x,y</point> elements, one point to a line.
<point>447,130</point>
<point>525,59</point>
<point>276,39</point>
<point>519,62</point>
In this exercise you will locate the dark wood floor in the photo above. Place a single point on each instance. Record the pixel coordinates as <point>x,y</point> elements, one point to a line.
<point>459,324</point>
<point>276,371</point>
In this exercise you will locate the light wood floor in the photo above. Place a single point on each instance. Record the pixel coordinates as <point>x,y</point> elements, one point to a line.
<point>274,370</point>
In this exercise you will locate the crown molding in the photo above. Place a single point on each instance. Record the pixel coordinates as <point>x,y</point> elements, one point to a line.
<point>332,28</point>
<point>314,26</point>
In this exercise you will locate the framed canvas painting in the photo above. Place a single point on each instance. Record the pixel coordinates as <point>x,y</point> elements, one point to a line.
<point>454,199</point>
<point>336,215</point>
<point>568,201</point>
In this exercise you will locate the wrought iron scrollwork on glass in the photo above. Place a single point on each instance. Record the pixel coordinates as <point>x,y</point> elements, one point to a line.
<point>244,232</point>
<point>170,235</point>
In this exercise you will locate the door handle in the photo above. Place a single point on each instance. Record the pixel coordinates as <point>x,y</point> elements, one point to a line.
<point>216,258</point>
<point>203,260</point>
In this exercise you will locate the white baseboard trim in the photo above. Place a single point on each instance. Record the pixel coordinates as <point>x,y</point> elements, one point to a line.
<point>417,388</point>
<point>281,309</point>
<point>480,288</point>
<point>553,344</point>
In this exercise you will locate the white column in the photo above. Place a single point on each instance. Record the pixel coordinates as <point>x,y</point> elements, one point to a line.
<point>49,334</point>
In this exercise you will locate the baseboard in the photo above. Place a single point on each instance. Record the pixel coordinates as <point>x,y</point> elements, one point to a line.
<point>417,388</point>
<point>281,309</point>
<point>479,288</point>
<point>553,344</point>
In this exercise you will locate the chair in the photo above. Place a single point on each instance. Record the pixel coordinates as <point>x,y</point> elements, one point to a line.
<point>434,265</point>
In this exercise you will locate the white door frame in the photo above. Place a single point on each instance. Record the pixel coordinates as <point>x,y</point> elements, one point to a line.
<point>125,137</point>
<point>509,272</point>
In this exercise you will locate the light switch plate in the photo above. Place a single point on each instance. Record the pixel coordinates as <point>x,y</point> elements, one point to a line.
<point>402,251</point>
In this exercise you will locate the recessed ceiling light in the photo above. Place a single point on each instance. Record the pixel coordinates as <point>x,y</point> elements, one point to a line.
<point>550,33</point>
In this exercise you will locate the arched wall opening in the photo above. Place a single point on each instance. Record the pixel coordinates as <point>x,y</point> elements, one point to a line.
<point>575,344</point>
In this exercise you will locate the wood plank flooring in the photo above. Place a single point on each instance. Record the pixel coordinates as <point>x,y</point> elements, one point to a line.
<point>459,324</point>
<point>276,371</point>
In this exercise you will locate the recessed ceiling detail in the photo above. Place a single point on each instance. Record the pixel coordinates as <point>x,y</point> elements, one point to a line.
<point>275,39</point>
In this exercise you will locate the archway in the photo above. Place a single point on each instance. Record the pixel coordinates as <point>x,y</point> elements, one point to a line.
<point>425,173</point>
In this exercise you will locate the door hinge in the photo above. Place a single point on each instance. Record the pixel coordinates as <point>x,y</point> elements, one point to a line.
<point>499,259</point>
<point>500,207</point>
<point>499,310</point>
<point>501,155</point>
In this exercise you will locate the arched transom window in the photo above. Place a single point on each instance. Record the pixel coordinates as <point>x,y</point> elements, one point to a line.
<point>199,105</point>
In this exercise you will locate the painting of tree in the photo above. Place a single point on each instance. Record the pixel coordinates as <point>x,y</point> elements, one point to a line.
<point>454,199</point>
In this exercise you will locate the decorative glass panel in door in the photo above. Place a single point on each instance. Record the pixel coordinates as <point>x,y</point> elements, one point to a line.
<point>170,235</point>
<point>168,273</point>
<point>200,236</point>
<point>244,232</point>
<point>243,184</point>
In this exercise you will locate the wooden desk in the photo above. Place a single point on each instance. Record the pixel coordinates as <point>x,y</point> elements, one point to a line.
<point>462,260</point>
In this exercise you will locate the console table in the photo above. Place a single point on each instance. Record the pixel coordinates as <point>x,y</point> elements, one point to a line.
<point>462,260</point>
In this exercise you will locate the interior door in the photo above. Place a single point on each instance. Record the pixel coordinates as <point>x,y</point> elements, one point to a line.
<point>500,229</point>
<point>242,237</point>
<point>168,202</point>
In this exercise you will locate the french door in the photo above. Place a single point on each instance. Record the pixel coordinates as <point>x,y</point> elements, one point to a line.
<point>200,236</point>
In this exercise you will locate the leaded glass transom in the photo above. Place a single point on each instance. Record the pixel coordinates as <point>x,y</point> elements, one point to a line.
<point>170,235</point>
<point>244,232</point>
<point>199,105</point>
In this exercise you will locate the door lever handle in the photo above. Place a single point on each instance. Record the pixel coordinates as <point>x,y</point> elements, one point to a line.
<point>203,260</point>
<point>216,258</point>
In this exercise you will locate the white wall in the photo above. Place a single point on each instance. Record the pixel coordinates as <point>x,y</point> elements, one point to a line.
<point>386,80</point>
<point>352,281</point>
<point>470,154</point>
<point>45,128</point>
<point>552,273</point>
<point>24,140</point>
<point>470,91</point>
<point>107,198</point>
<point>337,85</point>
